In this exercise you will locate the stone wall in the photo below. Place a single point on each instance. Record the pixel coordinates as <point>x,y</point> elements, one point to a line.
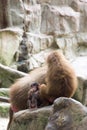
<point>49,24</point>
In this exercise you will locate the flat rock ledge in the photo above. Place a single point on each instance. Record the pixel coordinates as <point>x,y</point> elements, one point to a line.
<point>31,119</point>
<point>64,114</point>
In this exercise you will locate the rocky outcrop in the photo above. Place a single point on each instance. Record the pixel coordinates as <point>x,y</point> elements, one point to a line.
<point>31,119</point>
<point>48,24</point>
<point>59,20</point>
<point>9,75</point>
<point>9,42</point>
<point>68,114</point>
<point>65,114</point>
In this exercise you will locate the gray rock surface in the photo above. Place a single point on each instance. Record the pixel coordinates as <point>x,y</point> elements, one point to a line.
<point>65,114</point>
<point>62,22</point>
<point>68,114</point>
<point>31,119</point>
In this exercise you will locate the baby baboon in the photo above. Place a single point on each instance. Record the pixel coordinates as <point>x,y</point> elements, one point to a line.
<point>33,96</point>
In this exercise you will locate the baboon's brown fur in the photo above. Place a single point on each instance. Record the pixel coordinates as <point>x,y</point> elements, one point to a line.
<point>59,77</point>
<point>19,90</point>
<point>61,80</point>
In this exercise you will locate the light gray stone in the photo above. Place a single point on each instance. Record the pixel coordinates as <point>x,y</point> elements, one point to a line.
<point>39,42</point>
<point>73,45</point>
<point>61,20</point>
<point>9,42</point>
<point>26,12</point>
<point>55,2</point>
<point>31,119</point>
<point>65,114</point>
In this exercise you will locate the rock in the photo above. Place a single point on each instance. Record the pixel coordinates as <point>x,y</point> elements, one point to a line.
<point>9,75</point>
<point>39,42</point>
<point>4,105</point>
<point>16,9</point>
<point>19,11</point>
<point>60,20</point>
<point>39,59</point>
<point>65,114</point>
<point>55,2</point>
<point>4,92</point>
<point>73,45</point>
<point>9,42</point>
<point>31,119</point>
<point>81,6</point>
<point>80,66</point>
<point>23,66</point>
<point>68,114</point>
<point>4,109</point>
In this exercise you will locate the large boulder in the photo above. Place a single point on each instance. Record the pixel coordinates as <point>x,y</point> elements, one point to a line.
<point>68,114</point>
<point>65,114</point>
<point>31,119</point>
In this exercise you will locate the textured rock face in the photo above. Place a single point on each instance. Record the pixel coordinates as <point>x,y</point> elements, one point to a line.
<point>60,20</point>
<point>56,2</point>
<point>9,42</point>
<point>64,21</point>
<point>31,119</point>
<point>28,12</point>
<point>65,114</point>
<point>68,114</point>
